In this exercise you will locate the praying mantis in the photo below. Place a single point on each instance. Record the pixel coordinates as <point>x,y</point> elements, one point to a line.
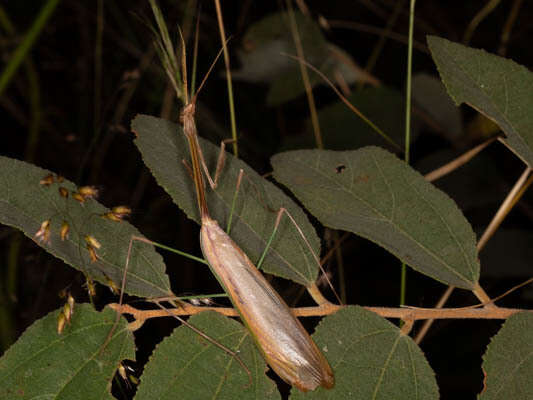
<point>283,341</point>
<point>278,333</point>
<point>281,338</point>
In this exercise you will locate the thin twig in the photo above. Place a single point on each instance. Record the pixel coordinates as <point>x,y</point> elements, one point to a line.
<point>504,209</point>
<point>228,79</point>
<point>19,55</point>
<point>98,63</point>
<point>427,324</point>
<point>456,163</point>
<point>404,313</point>
<point>516,192</point>
<point>210,339</point>
<point>376,31</point>
<point>407,148</point>
<point>384,35</point>
<point>346,101</point>
<point>340,266</point>
<point>305,76</point>
<point>506,32</point>
<point>480,16</point>
<point>331,251</point>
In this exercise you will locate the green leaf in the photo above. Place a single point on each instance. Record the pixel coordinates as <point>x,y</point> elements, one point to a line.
<point>187,365</point>
<point>375,195</point>
<point>499,88</point>
<point>25,204</point>
<point>371,359</point>
<point>508,361</point>
<point>163,147</point>
<point>43,364</point>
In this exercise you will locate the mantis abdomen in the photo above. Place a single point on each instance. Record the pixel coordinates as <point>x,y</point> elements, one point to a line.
<point>285,344</point>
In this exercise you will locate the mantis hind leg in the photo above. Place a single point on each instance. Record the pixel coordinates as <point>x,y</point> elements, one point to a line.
<point>312,289</point>
<point>175,301</point>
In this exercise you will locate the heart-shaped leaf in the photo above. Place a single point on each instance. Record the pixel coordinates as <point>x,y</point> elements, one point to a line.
<point>372,193</point>
<point>74,365</point>
<point>25,204</point>
<point>371,359</point>
<point>164,147</point>
<point>499,88</point>
<point>187,366</point>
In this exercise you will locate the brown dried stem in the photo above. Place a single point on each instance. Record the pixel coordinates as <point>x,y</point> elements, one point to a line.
<point>228,77</point>
<point>456,163</point>
<point>404,313</point>
<point>507,28</point>
<point>514,195</point>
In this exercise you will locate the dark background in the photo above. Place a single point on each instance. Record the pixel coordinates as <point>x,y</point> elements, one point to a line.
<point>83,134</point>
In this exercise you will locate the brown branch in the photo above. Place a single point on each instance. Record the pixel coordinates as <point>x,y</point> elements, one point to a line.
<point>458,162</point>
<point>405,313</point>
<point>514,195</point>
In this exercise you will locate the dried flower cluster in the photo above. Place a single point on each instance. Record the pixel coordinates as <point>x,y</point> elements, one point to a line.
<point>65,315</point>
<point>43,234</point>
<point>117,213</point>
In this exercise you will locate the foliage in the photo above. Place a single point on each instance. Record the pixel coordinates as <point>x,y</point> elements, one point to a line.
<point>365,190</point>
<point>72,365</point>
<point>25,204</point>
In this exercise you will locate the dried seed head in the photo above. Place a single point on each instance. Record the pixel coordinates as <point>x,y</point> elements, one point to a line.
<point>112,217</point>
<point>201,301</point>
<point>112,285</point>
<point>88,192</point>
<point>44,226</point>
<point>43,234</point>
<point>206,301</point>
<point>61,321</point>
<point>92,253</point>
<point>92,241</point>
<point>67,311</point>
<point>122,211</point>
<point>122,371</point>
<point>78,197</point>
<point>47,180</point>
<point>63,192</point>
<point>70,302</point>
<point>117,213</point>
<point>195,302</point>
<point>63,233</point>
<point>90,287</point>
